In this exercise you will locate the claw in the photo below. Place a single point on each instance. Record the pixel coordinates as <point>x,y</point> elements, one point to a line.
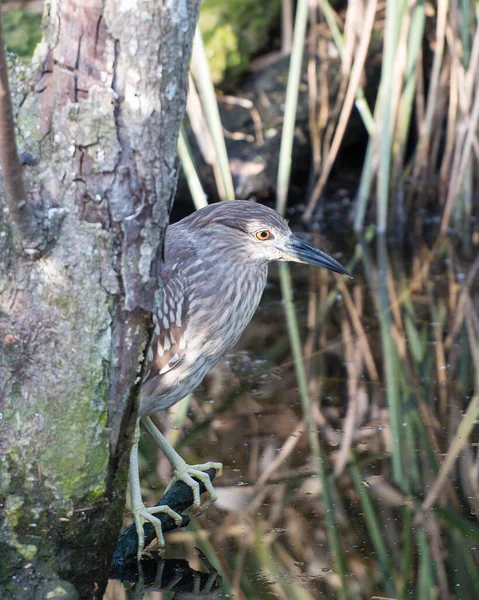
<point>188,474</point>
<point>142,515</point>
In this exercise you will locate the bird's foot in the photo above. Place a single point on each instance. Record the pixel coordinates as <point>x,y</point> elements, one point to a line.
<point>188,474</point>
<point>142,515</point>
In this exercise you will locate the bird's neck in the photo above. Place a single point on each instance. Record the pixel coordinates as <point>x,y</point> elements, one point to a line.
<point>242,276</point>
<point>236,285</point>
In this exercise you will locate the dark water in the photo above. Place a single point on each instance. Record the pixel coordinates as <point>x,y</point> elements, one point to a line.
<point>365,485</point>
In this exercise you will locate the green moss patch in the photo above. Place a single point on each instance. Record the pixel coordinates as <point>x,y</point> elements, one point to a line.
<point>22,31</point>
<point>233,31</point>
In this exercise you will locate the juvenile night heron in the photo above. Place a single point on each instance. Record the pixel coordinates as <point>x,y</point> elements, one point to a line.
<point>213,276</point>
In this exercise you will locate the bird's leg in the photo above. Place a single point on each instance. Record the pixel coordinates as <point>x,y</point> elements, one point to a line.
<point>141,513</point>
<point>184,472</point>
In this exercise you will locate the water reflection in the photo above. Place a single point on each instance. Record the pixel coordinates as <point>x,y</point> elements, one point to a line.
<point>137,581</point>
<point>392,362</point>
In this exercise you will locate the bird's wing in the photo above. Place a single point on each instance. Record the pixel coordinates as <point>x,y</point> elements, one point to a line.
<point>169,340</point>
<point>170,318</point>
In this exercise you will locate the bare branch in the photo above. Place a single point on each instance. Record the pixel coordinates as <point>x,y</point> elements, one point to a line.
<point>179,498</point>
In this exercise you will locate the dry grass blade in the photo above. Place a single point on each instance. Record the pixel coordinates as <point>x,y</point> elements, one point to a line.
<point>354,81</point>
<point>359,329</point>
<point>353,368</point>
<point>286,26</point>
<point>458,178</point>
<point>460,439</point>
<point>292,90</point>
<point>255,116</point>
<point>194,183</point>
<point>387,114</point>
<point>203,137</point>
<point>438,316</point>
<point>452,113</point>
<point>426,125</point>
<point>286,450</point>
<point>313,97</point>
<point>436,545</point>
<point>204,83</point>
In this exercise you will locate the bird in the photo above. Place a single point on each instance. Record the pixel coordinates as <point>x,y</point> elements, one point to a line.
<point>212,276</point>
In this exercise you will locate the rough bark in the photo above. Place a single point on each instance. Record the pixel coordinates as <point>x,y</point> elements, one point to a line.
<point>100,114</point>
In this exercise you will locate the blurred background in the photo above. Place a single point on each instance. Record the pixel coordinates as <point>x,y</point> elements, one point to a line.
<point>345,417</point>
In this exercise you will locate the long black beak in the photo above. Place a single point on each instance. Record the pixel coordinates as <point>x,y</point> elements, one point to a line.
<point>300,251</point>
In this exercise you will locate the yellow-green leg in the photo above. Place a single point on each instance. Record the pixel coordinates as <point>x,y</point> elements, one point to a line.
<point>141,514</point>
<point>184,472</point>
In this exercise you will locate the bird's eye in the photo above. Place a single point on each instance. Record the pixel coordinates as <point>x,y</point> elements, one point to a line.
<point>263,235</point>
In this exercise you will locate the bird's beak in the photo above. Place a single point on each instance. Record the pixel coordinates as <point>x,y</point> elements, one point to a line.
<point>298,251</point>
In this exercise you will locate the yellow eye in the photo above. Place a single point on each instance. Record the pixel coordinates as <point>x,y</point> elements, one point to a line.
<point>263,235</point>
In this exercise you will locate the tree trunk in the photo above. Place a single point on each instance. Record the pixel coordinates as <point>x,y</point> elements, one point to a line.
<point>100,115</point>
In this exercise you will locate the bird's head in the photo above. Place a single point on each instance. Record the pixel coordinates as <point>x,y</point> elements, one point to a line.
<point>256,233</point>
